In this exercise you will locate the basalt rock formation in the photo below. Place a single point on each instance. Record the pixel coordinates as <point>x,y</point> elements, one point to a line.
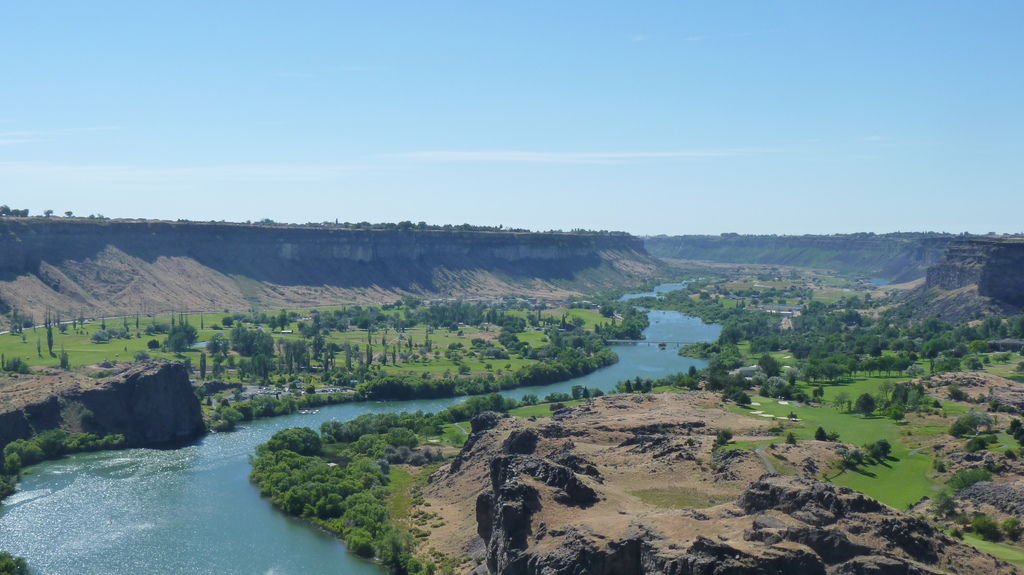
<point>995,266</point>
<point>111,266</point>
<point>581,494</point>
<point>896,257</point>
<point>976,278</point>
<point>150,404</point>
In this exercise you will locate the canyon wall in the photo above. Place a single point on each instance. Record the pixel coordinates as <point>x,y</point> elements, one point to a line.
<point>895,257</point>
<point>111,266</point>
<point>995,266</point>
<point>150,404</point>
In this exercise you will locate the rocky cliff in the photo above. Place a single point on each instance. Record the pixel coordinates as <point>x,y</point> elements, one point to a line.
<point>108,266</point>
<point>629,485</point>
<point>995,266</point>
<point>150,404</point>
<point>895,257</point>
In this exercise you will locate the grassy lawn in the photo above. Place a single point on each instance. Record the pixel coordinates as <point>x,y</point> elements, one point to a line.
<point>455,434</point>
<point>900,482</point>
<point>541,409</point>
<point>82,350</point>
<point>1003,551</point>
<point>400,499</point>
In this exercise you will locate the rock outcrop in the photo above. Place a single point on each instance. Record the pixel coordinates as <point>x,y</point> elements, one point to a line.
<point>995,266</point>
<point>150,404</point>
<point>589,493</point>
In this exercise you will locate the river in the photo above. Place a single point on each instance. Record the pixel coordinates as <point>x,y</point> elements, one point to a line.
<point>193,511</point>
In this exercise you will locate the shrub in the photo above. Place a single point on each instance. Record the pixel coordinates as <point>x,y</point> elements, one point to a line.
<point>944,505</point>
<point>359,541</point>
<point>1011,528</point>
<point>11,565</point>
<point>879,450</point>
<point>986,527</point>
<point>957,394</point>
<point>980,443</point>
<point>967,477</point>
<point>723,437</point>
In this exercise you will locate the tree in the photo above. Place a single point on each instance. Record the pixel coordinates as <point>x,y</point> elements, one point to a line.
<point>853,459</point>
<point>820,435</point>
<point>11,565</point>
<point>202,366</point>
<point>842,401</point>
<point>790,438</point>
<point>769,365</point>
<point>944,505</point>
<point>865,404</point>
<point>301,440</point>
<point>879,450</point>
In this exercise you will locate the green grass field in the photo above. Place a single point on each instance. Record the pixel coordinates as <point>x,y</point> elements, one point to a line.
<point>82,350</point>
<point>900,482</point>
<point>1004,551</point>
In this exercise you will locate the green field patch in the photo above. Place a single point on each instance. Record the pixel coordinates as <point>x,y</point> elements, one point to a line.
<point>899,482</point>
<point>1004,551</point>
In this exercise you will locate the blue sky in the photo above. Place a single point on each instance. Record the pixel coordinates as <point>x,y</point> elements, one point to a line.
<point>649,117</point>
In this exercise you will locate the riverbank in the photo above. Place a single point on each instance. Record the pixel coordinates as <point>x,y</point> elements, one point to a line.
<point>153,504</point>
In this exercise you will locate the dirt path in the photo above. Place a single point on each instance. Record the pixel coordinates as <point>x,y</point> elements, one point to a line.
<point>765,460</point>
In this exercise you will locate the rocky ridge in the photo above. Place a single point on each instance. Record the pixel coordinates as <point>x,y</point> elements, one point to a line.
<point>629,485</point>
<point>150,404</point>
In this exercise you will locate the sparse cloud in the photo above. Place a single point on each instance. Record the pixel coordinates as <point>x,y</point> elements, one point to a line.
<point>15,137</point>
<point>173,176</point>
<point>307,74</point>
<point>537,157</point>
<point>639,38</point>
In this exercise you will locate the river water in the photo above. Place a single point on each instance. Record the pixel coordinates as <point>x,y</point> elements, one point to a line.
<point>193,511</point>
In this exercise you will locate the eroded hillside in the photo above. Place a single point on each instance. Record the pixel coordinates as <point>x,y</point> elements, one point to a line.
<point>109,267</point>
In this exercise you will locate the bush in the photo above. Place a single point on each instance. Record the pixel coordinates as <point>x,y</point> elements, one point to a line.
<point>359,541</point>
<point>1011,528</point>
<point>11,565</point>
<point>956,394</point>
<point>723,437</point>
<point>980,443</point>
<point>969,423</point>
<point>967,477</point>
<point>987,528</point>
<point>944,505</point>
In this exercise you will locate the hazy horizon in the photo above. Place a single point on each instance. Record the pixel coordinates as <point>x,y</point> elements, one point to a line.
<point>783,117</point>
